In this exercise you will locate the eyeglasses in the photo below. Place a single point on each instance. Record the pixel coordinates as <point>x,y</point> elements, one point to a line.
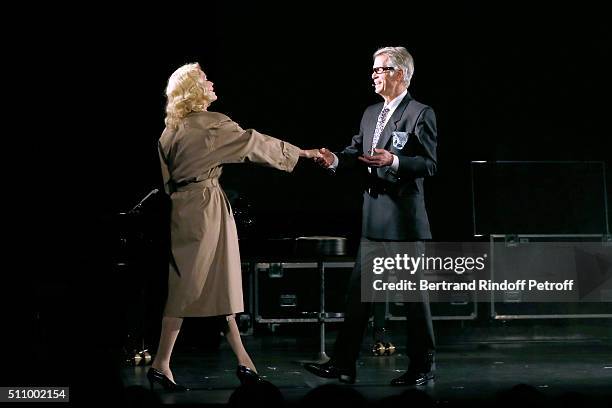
<point>380,70</point>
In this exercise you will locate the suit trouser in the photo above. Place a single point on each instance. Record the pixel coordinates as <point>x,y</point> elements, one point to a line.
<point>419,328</point>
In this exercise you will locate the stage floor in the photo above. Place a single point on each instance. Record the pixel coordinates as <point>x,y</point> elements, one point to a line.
<point>469,372</point>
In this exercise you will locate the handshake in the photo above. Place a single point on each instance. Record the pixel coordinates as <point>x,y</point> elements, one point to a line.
<point>322,157</point>
<point>325,158</point>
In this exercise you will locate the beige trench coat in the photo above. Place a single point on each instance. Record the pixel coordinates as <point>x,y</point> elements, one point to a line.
<point>205,278</point>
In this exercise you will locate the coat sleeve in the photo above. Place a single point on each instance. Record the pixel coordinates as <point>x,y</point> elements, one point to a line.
<point>232,144</point>
<point>424,162</point>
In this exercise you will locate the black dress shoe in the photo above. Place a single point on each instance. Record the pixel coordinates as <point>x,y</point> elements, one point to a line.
<point>413,378</point>
<point>331,370</point>
<point>248,376</point>
<point>156,376</point>
<point>420,371</point>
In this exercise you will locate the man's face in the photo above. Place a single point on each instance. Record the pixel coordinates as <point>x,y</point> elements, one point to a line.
<point>386,83</point>
<point>208,85</point>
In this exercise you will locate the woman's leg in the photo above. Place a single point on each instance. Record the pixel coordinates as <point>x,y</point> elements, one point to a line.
<point>233,338</point>
<point>169,332</point>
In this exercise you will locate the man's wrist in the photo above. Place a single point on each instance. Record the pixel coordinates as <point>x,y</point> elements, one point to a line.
<point>334,163</point>
<point>394,165</point>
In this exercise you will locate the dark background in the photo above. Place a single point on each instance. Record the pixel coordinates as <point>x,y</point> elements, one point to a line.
<point>506,84</point>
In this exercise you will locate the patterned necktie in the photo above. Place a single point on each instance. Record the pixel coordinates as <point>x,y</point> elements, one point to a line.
<point>380,125</point>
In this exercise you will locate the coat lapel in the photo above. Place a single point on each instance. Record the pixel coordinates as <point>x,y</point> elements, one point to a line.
<point>391,125</point>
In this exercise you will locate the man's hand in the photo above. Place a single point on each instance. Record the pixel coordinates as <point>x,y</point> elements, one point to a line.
<point>381,158</point>
<point>326,159</point>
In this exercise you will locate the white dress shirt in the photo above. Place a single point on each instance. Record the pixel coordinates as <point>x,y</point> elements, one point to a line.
<point>391,106</point>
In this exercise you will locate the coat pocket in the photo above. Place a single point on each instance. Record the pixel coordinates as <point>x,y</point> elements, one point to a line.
<point>399,140</point>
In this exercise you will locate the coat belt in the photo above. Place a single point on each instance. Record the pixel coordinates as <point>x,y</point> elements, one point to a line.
<point>193,185</point>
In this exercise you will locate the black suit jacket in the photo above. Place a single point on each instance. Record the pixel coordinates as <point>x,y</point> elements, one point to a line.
<point>394,203</point>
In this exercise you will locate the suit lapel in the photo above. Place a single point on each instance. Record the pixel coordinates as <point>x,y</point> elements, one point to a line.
<point>391,125</point>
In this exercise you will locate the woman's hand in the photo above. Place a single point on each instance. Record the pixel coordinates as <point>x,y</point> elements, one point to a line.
<point>311,154</point>
<point>326,159</point>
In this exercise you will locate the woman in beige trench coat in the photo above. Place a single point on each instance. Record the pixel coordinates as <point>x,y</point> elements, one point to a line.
<point>205,273</point>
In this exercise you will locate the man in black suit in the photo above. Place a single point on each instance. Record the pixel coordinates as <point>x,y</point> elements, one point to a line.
<point>397,142</point>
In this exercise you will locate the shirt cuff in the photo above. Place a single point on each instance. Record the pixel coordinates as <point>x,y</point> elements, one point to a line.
<point>334,165</point>
<point>395,165</point>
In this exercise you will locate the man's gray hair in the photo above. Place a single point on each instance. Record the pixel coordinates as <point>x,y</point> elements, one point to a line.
<point>399,58</point>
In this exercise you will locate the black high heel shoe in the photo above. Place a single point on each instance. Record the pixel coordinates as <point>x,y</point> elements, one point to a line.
<point>156,376</point>
<point>248,376</point>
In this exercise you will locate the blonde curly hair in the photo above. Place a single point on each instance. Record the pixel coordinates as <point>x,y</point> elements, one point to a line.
<point>186,92</point>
